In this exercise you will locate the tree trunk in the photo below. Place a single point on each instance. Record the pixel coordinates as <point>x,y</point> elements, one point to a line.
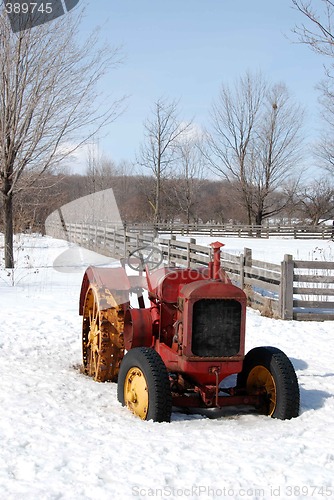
<point>249,217</point>
<point>259,218</point>
<point>8,220</point>
<point>188,202</point>
<point>157,215</point>
<point>258,223</point>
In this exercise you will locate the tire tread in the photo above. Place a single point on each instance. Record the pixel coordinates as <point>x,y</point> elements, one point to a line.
<point>155,371</point>
<point>282,370</point>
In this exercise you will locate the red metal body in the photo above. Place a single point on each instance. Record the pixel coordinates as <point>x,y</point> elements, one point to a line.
<point>168,326</point>
<point>195,321</point>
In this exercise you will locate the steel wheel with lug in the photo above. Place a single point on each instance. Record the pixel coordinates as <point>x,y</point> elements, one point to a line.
<point>102,341</point>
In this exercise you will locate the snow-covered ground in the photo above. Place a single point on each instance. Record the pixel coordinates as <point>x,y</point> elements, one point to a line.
<point>64,436</point>
<point>271,249</point>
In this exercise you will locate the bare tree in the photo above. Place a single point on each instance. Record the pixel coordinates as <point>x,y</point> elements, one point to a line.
<point>49,104</point>
<point>277,152</point>
<point>316,200</point>
<point>317,32</point>
<point>189,171</point>
<point>255,142</point>
<point>100,170</point>
<point>159,151</point>
<point>234,119</point>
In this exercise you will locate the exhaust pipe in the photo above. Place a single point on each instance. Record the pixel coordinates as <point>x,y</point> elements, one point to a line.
<point>214,266</point>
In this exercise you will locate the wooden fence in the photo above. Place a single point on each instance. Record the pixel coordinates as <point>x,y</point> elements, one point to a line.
<point>240,231</point>
<point>291,290</point>
<point>312,290</point>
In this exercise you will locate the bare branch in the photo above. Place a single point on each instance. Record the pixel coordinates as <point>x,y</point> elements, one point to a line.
<point>163,132</point>
<point>255,142</point>
<point>49,99</point>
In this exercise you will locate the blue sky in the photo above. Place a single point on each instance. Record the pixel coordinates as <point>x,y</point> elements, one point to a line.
<point>185,49</point>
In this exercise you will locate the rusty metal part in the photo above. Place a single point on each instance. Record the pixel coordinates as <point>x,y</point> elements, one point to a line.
<point>109,279</point>
<point>215,370</point>
<point>102,334</point>
<point>138,329</point>
<point>194,400</point>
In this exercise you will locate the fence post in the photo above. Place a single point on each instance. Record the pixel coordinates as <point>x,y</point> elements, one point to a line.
<point>125,246</point>
<point>245,261</point>
<point>172,238</point>
<point>242,271</point>
<point>96,246</point>
<point>286,288</point>
<point>105,236</point>
<point>248,257</point>
<point>191,242</point>
<point>115,231</point>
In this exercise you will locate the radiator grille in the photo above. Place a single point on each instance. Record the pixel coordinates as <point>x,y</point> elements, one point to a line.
<point>216,327</point>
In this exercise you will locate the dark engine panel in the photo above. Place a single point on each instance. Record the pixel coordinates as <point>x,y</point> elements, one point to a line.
<point>216,327</point>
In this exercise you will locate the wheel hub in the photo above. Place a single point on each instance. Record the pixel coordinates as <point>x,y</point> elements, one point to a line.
<point>136,393</point>
<point>93,334</point>
<point>260,381</point>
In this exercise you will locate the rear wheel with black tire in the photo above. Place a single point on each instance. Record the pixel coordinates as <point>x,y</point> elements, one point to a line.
<point>143,385</point>
<point>267,371</point>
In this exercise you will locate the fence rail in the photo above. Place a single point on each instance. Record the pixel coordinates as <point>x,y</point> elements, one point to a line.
<point>292,290</point>
<point>313,288</point>
<point>240,231</point>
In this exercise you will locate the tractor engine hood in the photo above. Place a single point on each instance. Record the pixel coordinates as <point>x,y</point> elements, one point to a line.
<point>212,289</point>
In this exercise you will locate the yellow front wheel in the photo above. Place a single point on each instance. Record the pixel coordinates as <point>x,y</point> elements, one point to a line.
<point>267,372</point>
<point>143,385</point>
<point>261,381</point>
<point>136,392</point>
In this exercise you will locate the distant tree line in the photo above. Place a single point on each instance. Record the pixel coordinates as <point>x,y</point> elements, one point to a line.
<point>213,201</point>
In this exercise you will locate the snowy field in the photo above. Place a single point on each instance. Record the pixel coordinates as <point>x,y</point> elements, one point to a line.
<point>272,249</point>
<point>64,436</point>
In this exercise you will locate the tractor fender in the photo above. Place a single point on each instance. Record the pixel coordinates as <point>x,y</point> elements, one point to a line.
<point>138,329</point>
<point>110,278</point>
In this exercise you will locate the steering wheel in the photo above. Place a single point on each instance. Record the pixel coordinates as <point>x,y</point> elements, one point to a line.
<point>149,256</point>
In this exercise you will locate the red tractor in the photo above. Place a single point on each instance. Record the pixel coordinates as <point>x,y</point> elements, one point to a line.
<point>182,340</point>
